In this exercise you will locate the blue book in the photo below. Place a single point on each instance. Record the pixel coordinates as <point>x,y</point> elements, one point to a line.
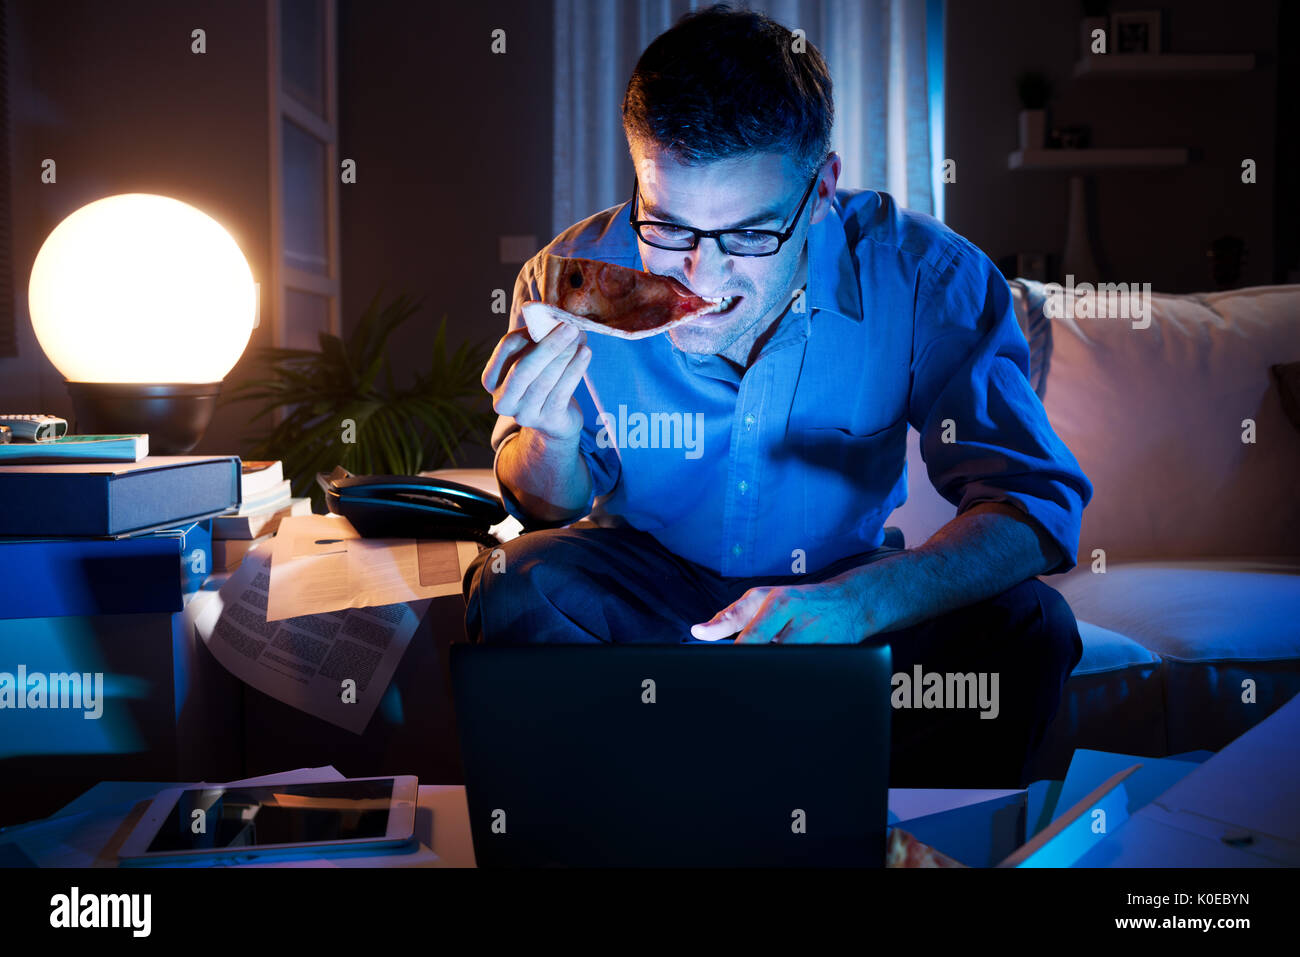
<point>77,448</point>
<point>152,572</point>
<point>110,499</point>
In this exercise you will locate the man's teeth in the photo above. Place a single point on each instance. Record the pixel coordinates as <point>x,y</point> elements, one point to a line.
<point>722,305</point>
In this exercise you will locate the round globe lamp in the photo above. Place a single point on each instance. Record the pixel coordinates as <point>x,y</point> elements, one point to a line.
<point>144,304</point>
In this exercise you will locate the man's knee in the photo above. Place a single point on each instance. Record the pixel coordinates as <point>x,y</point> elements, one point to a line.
<point>502,580</point>
<point>1028,638</point>
<point>1042,649</point>
<point>1049,634</point>
<point>505,567</point>
<point>1029,626</point>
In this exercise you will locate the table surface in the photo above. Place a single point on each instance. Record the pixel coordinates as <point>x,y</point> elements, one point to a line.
<point>89,831</point>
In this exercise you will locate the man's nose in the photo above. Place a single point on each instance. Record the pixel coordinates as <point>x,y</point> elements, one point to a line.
<point>708,269</point>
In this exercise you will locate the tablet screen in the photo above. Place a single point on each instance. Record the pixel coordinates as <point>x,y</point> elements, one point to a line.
<point>212,818</point>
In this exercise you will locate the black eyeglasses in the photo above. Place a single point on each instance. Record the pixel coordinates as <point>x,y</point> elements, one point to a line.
<point>733,242</point>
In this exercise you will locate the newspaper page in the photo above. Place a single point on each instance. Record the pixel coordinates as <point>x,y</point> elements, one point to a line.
<point>321,564</point>
<point>335,665</point>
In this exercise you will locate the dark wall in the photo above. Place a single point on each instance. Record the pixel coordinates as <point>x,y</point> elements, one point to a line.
<point>1149,226</point>
<point>453,150</point>
<point>112,93</point>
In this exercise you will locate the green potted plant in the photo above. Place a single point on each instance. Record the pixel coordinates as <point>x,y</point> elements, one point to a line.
<point>342,406</point>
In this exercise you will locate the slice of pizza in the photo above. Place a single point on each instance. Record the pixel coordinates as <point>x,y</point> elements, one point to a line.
<point>612,300</point>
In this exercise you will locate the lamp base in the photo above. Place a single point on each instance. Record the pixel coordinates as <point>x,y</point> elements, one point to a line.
<point>175,415</point>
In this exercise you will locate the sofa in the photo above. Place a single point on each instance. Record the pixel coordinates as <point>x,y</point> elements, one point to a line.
<point>1187,589</point>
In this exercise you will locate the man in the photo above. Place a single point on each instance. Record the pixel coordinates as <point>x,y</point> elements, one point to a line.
<point>738,471</point>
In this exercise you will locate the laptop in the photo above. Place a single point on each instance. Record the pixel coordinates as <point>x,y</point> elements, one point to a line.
<point>675,755</point>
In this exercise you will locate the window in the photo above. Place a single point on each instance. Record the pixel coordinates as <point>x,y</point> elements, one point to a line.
<point>305,285</point>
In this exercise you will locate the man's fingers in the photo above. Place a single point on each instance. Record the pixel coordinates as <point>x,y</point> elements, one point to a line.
<point>769,624</point>
<point>536,394</point>
<point>722,625</point>
<point>530,365</point>
<point>511,344</point>
<point>732,618</point>
<point>562,391</point>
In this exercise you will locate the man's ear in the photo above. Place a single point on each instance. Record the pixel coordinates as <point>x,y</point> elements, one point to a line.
<point>824,192</point>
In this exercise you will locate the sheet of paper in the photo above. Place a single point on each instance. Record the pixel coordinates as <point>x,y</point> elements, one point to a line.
<point>335,666</point>
<point>321,564</point>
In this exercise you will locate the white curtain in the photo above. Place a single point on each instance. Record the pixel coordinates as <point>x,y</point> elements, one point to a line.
<point>876,50</point>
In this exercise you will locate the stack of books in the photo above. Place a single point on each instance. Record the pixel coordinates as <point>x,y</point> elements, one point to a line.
<point>98,563</point>
<point>80,538</point>
<point>266,499</point>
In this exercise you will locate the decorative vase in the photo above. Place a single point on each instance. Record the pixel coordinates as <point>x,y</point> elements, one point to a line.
<point>1033,129</point>
<point>1078,260</point>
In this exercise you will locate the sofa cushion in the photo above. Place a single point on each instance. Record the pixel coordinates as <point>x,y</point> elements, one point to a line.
<point>1201,611</point>
<point>1154,415</point>
<point>1028,297</point>
<point>1227,634</point>
<point>1106,652</point>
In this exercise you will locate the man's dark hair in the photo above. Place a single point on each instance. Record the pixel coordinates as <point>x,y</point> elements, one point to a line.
<point>725,83</point>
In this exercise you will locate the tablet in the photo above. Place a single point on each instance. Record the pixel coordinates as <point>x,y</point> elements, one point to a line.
<point>250,820</point>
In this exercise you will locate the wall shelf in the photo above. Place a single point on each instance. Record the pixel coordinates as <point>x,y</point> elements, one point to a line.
<point>1094,159</point>
<point>1163,64</point>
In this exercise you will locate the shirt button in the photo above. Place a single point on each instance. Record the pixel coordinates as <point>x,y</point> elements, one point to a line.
<point>735,549</point>
<point>743,486</point>
<point>749,420</point>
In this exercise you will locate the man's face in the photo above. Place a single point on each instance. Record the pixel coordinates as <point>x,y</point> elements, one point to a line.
<point>759,192</point>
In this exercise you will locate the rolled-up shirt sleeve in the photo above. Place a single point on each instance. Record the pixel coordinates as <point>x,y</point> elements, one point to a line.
<point>602,462</point>
<point>985,436</point>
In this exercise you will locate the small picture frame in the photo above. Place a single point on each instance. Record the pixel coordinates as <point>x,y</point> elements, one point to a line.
<point>1135,32</point>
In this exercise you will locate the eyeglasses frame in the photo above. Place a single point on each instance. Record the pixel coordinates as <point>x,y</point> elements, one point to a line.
<point>783,236</point>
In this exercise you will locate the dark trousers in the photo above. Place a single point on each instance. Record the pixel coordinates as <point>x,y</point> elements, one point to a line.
<point>585,584</point>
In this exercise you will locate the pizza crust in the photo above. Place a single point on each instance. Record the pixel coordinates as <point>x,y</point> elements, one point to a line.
<point>541,317</point>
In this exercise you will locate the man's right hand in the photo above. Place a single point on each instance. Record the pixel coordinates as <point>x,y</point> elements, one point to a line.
<point>534,382</point>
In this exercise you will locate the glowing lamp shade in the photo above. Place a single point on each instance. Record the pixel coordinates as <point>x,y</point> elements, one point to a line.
<point>144,303</point>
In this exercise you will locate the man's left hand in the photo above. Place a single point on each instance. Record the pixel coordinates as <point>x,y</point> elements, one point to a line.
<point>828,612</point>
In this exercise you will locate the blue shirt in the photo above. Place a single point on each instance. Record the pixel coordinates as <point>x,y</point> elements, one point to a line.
<point>799,460</point>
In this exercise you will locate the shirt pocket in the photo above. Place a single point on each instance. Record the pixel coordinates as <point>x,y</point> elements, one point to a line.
<point>851,480</point>
<point>848,452</point>
<point>824,402</point>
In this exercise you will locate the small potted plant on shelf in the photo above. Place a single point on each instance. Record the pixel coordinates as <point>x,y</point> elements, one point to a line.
<point>1034,90</point>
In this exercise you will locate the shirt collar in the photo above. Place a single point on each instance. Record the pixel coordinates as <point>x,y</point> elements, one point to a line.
<point>832,276</point>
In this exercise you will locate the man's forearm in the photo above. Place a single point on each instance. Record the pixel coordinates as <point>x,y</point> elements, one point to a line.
<point>548,477</point>
<point>980,553</point>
